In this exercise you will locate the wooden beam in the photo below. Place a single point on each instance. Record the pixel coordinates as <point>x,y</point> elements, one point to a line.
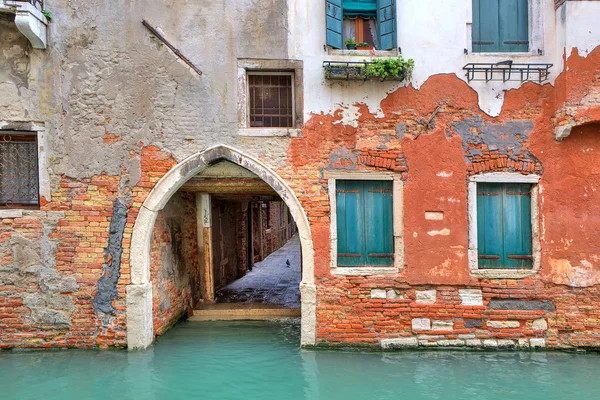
<point>248,186</point>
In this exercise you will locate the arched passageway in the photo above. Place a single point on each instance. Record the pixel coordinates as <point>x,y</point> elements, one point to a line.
<point>140,331</point>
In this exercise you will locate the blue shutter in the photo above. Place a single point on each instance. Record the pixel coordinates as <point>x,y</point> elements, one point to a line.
<point>500,26</point>
<point>334,16</point>
<point>516,211</point>
<point>350,223</point>
<point>513,25</point>
<point>485,26</point>
<point>379,232</point>
<point>386,24</point>
<point>490,243</point>
<point>504,225</point>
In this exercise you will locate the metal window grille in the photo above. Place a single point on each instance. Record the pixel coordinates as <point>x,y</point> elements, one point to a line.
<point>39,4</point>
<point>19,183</point>
<point>271,100</point>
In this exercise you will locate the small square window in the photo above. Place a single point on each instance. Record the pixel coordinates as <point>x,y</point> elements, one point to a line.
<point>500,26</point>
<point>271,99</point>
<point>19,180</point>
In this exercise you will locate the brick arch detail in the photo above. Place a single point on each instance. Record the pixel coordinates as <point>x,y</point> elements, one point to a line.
<point>139,292</point>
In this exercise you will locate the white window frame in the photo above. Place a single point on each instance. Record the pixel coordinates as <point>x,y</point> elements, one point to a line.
<point>503,273</point>
<point>398,220</point>
<point>535,32</point>
<point>38,129</point>
<point>270,67</point>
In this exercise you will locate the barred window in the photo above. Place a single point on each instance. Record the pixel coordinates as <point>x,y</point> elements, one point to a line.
<point>19,182</point>
<point>271,99</point>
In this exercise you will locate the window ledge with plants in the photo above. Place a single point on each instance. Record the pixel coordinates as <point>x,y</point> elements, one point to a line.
<point>378,69</point>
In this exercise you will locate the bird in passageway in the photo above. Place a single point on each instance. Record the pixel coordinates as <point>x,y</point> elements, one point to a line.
<point>287,263</point>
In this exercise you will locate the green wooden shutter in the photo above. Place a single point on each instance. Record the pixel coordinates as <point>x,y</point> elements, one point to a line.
<point>386,24</point>
<point>350,223</point>
<point>485,26</point>
<point>517,226</point>
<point>500,26</point>
<point>334,16</point>
<point>364,218</point>
<point>513,25</point>
<point>504,225</point>
<point>379,232</point>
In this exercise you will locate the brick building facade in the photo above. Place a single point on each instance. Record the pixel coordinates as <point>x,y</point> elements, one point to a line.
<point>113,249</point>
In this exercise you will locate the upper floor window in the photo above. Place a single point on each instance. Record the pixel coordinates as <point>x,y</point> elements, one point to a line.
<point>19,181</point>
<point>371,22</point>
<point>500,26</point>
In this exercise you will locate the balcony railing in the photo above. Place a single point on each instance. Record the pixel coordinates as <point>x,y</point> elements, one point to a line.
<point>355,71</point>
<point>39,4</point>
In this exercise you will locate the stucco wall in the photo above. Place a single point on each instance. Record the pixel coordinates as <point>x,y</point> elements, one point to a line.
<point>120,111</point>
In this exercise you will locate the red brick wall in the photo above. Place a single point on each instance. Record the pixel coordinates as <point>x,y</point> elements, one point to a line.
<point>435,162</point>
<point>175,266</point>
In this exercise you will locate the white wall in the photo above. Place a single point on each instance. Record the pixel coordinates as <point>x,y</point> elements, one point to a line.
<point>434,33</point>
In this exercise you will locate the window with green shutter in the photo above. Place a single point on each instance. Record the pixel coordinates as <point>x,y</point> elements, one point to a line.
<point>504,225</point>
<point>500,26</point>
<point>364,223</point>
<point>370,22</point>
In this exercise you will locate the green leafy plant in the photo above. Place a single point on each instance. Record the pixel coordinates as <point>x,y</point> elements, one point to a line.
<point>363,44</point>
<point>47,14</point>
<point>382,68</point>
<point>350,41</point>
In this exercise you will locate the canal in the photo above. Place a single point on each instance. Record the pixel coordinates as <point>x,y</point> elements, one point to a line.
<point>262,360</point>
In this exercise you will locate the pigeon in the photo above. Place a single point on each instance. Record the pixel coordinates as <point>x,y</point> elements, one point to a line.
<point>287,263</point>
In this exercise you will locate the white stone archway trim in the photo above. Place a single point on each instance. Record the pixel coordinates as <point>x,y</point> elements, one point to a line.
<point>139,293</point>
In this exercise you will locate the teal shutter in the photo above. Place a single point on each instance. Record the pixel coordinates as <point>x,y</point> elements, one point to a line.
<point>504,225</point>
<point>364,223</point>
<point>379,233</point>
<point>386,24</point>
<point>334,16</point>
<point>485,26</point>
<point>513,25</point>
<point>350,223</point>
<point>500,26</point>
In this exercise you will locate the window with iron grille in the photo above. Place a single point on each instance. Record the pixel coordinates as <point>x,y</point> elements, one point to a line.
<point>19,181</point>
<point>271,99</point>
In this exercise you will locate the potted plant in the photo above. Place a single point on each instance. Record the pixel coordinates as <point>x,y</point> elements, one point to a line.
<point>390,68</point>
<point>364,46</point>
<point>350,43</point>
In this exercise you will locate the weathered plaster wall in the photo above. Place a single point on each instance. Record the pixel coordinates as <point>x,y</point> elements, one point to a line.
<point>434,300</point>
<point>175,268</point>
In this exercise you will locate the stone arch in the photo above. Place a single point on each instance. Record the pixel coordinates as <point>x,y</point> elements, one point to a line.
<point>139,292</point>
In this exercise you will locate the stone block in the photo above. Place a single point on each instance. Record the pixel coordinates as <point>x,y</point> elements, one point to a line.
<point>451,343</point>
<point>426,296</point>
<point>503,324</point>
<point>399,343</point>
<point>473,342</point>
<point>506,344</point>
<point>491,343</point>
<point>522,305</point>
<point>392,294</point>
<point>540,325</point>
<point>471,297</point>
<point>537,343</point>
<point>523,343</point>
<point>441,325</point>
<point>421,324</point>
<point>378,294</point>
<point>473,323</point>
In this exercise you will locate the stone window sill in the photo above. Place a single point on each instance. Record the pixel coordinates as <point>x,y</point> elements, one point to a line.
<point>270,132</point>
<point>363,53</point>
<point>503,273</point>
<point>364,271</point>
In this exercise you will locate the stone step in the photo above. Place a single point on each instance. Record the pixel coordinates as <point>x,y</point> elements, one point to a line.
<point>242,311</point>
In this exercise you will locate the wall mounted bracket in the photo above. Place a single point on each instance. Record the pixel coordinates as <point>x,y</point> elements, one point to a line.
<point>29,20</point>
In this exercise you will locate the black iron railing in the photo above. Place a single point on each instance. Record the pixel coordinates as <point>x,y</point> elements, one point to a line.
<point>507,71</point>
<point>354,71</point>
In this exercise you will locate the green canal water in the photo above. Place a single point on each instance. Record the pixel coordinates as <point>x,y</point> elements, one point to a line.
<point>247,360</point>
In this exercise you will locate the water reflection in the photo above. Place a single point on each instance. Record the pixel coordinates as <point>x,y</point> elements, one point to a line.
<point>262,360</point>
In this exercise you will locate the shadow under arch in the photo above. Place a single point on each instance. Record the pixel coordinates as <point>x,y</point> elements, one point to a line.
<point>139,293</point>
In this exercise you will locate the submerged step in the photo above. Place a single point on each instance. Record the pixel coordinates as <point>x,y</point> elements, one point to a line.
<point>242,311</point>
